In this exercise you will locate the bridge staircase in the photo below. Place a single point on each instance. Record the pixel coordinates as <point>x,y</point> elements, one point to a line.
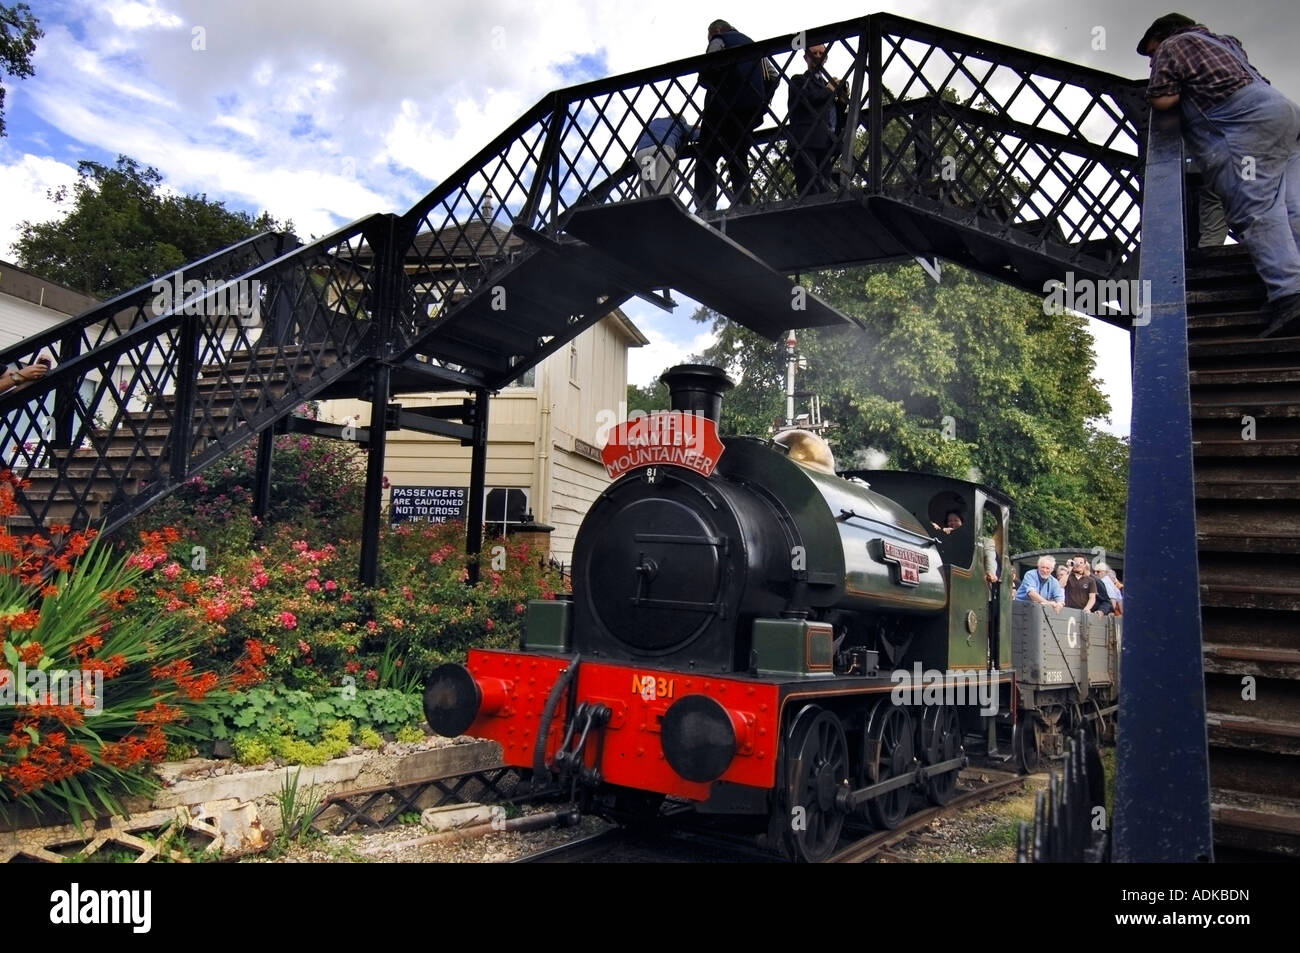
<point>1245,407</point>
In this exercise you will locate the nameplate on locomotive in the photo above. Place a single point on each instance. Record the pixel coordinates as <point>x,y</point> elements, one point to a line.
<point>663,438</point>
<point>909,562</point>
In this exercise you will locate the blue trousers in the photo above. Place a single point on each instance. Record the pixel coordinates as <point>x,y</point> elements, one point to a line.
<point>1249,148</point>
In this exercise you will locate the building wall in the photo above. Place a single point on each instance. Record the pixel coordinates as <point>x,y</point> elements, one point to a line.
<point>28,306</point>
<point>531,432</point>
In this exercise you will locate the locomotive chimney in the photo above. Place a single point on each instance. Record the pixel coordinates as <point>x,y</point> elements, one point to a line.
<point>697,389</point>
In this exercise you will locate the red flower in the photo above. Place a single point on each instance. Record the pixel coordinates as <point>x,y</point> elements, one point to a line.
<point>288,620</point>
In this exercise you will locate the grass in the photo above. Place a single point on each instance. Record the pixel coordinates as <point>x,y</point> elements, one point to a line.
<point>984,833</point>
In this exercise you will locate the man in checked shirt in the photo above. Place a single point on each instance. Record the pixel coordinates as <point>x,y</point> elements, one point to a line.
<point>1246,137</point>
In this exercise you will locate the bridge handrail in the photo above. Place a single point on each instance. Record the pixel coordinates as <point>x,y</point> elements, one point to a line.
<point>1080,173</point>
<point>1162,799</point>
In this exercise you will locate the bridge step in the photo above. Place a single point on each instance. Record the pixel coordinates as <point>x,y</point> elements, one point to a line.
<point>1248,540</point>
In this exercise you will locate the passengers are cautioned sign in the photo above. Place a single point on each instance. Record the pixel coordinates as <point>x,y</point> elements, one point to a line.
<point>663,438</point>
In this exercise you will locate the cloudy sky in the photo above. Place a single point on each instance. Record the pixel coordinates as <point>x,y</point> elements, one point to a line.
<point>323,111</point>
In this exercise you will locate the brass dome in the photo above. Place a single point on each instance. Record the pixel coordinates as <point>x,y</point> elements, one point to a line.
<point>807,449</point>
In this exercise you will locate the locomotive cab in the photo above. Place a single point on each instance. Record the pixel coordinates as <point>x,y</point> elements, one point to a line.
<point>979,613</point>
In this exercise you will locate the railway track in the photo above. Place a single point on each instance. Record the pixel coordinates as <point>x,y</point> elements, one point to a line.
<point>872,846</point>
<point>1246,457</point>
<point>681,840</point>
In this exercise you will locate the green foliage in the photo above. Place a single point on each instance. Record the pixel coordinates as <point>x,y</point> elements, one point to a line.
<point>273,711</point>
<point>251,749</point>
<point>122,229</point>
<point>1012,388</point>
<point>367,737</point>
<point>316,484</point>
<point>410,734</point>
<point>19,31</point>
<point>297,808</point>
<point>652,397</point>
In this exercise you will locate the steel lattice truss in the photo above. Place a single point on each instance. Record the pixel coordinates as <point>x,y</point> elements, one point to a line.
<point>1038,158</point>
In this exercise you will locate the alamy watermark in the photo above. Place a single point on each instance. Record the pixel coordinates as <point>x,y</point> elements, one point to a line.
<point>960,687</point>
<point>214,297</point>
<point>656,428</point>
<point>1131,297</point>
<point>79,688</point>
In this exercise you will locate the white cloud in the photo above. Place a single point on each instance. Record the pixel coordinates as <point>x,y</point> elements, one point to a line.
<point>27,181</point>
<point>645,364</point>
<point>132,15</point>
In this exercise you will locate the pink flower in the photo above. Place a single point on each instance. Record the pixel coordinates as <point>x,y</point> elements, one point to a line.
<point>346,597</point>
<point>260,580</point>
<point>519,608</point>
<point>372,625</point>
<point>303,647</point>
<point>313,585</point>
<point>330,585</point>
<point>372,676</point>
<point>288,620</point>
<point>490,625</point>
<point>172,571</point>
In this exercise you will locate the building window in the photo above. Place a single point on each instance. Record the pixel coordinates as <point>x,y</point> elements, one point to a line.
<point>527,379</point>
<point>503,509</point>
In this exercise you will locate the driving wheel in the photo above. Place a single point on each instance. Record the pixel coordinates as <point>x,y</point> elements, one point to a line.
<point>817,765</point>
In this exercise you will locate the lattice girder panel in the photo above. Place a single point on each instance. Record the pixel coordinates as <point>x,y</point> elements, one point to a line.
<point>123,423</point>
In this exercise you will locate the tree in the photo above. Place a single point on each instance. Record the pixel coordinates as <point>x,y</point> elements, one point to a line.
<point>967,377</point>
<point>653,396</point>
<point>19,31</point>
<point>121,230</point>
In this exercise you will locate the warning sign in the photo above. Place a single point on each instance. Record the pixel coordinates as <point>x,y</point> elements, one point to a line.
<point>434,504</point>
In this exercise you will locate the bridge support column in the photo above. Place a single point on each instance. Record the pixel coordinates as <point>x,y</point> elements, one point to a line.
<point>1162,789</point>
<point>262,476</point>
<point>477,485</point>
<point>372,510</point>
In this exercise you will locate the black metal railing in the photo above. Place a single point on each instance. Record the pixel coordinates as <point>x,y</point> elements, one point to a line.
<point>1028,149</point>
<point>160,381</point>
<point>1031,149</point>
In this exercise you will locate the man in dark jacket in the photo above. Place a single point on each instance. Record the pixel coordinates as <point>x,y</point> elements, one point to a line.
<point>733,108</point>
<point>816,117</point>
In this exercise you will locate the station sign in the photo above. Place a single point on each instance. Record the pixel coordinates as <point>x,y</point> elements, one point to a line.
<point>663,438</point>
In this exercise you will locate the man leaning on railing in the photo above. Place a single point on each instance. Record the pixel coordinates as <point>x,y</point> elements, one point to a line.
<point>1244,134</point>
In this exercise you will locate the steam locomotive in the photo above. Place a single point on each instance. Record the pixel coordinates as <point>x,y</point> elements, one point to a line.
<point>750,632</point>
